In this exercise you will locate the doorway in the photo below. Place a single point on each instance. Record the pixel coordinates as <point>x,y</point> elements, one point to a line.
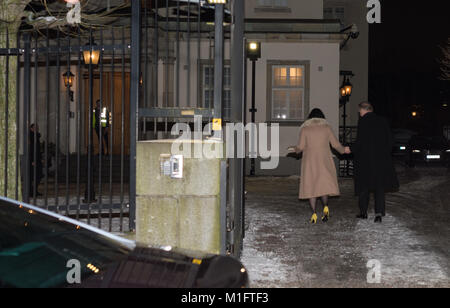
<point>116,98</point>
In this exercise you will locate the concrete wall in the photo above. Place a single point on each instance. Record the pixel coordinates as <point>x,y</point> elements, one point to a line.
<point>296,9</point>
<point>183,213</point>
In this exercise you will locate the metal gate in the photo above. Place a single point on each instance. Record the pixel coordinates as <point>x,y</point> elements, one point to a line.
<point>86,94</point>
<point>185,74</point>
<point>69,81</point>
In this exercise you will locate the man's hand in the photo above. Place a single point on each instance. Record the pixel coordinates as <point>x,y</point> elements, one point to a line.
<point>348,150</point>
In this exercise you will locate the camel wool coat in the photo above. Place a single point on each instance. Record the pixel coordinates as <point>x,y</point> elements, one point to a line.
<point>318,174</point>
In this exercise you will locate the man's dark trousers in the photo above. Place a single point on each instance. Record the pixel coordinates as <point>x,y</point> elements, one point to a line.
<point>380,201</point>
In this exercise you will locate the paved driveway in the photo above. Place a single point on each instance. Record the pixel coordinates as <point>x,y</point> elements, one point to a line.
<point>411,247</point>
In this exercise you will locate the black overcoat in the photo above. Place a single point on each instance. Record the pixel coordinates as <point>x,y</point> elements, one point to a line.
<point>39,166</point>
<point>373,166</point>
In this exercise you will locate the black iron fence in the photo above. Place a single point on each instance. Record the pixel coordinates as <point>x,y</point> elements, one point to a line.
<point>71,124</point>
<point>347,135</point>
<point>83,96</point>
<point>178,71</point>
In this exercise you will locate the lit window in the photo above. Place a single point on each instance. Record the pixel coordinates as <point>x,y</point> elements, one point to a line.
<point>288,93</point>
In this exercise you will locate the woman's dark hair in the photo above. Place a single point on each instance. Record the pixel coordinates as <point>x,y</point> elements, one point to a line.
<point>316,113</point>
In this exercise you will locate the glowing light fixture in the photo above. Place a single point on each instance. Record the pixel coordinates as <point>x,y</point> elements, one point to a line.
<point>346,88</point>
<point>90,55</point>
<point>68,79</point>
<point>254,50</point>
<point>217,1</point>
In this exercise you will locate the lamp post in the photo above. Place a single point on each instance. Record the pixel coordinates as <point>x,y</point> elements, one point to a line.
<point>345,93</point>
<point>254,54</point>
<point>91,57</point>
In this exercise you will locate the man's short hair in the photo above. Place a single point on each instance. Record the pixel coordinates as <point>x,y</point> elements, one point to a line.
<point>366,106</point>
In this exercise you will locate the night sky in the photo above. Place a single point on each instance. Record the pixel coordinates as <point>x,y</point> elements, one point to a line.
<point>404,71</point>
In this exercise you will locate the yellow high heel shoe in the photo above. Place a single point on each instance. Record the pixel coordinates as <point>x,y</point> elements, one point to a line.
<point>313,219</point>
<point>326,214</point>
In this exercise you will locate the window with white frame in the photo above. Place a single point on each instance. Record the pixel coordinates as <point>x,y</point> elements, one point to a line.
<point>337,12</point>
<point>207,86</point>
<point>288,93</point>
<point>273,3</point>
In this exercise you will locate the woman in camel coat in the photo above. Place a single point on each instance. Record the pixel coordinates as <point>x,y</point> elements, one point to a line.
<point>318,173</point>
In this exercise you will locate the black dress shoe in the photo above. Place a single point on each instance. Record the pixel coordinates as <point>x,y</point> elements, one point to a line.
<point>362,216</point>
<point>378,219</point>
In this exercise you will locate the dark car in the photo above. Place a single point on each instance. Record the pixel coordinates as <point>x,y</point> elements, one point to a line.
<point>402,138</point>
<point>40,249</point>
<point>428,149</point>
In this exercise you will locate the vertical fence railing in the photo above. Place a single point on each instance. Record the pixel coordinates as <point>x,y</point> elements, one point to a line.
<point>134,103</point>
<point>177,70</point>
<point>182,76</point>
<point>59,162</point>
<point>174,75</point>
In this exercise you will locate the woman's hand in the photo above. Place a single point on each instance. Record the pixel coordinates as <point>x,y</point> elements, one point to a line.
<point>348,150</point>
<point>292,149</point>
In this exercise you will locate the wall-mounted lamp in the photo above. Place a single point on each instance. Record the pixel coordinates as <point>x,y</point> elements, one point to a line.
<point>68,78</point>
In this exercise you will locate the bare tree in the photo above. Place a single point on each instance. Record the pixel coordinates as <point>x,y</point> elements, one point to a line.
<point>444,61</point>
<point>11,12</point>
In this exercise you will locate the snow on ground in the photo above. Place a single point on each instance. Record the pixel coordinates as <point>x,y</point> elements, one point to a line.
<point>282,249</point>
<point>404,257</point>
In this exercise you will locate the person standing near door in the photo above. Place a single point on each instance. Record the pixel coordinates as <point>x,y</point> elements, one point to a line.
<point>35,160</point>
<point>101,121</point>
<point>374,169</point>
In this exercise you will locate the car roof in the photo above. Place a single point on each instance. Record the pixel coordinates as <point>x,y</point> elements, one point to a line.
<point>119,240</point>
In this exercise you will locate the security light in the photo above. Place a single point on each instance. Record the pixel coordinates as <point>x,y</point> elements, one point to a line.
<point>254,50</point>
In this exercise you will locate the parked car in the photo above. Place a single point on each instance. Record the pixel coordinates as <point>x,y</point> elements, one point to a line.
<point>42,249</point>
<point>401,141</point>
<point>428,149</point>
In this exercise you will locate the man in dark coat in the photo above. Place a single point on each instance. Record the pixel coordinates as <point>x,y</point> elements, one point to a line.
<point>374,169</point>
<point>35,159</point>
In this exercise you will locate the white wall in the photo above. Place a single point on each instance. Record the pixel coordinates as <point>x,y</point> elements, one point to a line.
<point>324,80</point>
<point>324,85</point>
<point>355,55</point>
<point>298,9</point>
<point>193,75</point>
